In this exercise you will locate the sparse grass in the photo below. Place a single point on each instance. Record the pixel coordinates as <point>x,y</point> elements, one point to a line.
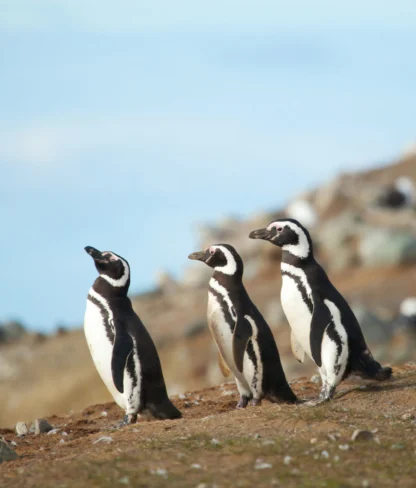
<point>163,454</point>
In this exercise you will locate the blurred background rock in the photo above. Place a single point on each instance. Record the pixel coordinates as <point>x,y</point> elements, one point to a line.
<point>365,240</point>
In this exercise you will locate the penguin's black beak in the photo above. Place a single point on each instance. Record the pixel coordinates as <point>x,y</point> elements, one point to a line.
<point>199,256</point>
<point>95,254</point>
<point>261,234</point>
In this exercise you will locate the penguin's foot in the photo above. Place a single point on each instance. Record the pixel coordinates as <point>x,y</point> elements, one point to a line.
<point>314,403</point>
<point>256,402</point>
<point>243,402</point>
<point>129,419</point>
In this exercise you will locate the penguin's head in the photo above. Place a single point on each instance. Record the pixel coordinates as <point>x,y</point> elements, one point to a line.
<point>111,267</point>
<point>222,257</point>
<point>288,234</point>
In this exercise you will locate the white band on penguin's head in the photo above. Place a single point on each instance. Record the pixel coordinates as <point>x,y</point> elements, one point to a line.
<point>302,248</point>
<point>122,281</point>
<point>231,266</point>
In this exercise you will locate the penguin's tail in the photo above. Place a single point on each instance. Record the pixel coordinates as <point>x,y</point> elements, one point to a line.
<point>367,367</point>
<point>282,394</point>
<point>164,410</point>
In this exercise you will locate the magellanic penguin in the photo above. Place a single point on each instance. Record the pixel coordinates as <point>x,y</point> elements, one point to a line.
<point>121,348</point>
<point>323,325</point>
<point>245,342</point>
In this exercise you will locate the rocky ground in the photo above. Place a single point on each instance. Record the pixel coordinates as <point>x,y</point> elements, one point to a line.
<point>368,251</point>
<point>365,437</point>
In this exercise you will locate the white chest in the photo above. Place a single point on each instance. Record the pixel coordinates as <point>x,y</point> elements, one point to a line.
<point>221,331</point>
<point>101,348</point>
<point>297,312</point>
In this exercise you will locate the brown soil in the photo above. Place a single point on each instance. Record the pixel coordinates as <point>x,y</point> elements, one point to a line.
<point>162,453</point>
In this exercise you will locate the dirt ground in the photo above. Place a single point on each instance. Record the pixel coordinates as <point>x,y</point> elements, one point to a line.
<point>216,445</point>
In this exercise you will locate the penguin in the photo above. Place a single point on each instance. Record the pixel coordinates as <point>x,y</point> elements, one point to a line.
<point>121,348</point>
<point>323,324</point>
<point>245,343</point>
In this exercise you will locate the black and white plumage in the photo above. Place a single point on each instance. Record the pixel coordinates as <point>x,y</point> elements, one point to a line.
<point>246,346</point>
<point>323,325</point>
<point>121,348</point>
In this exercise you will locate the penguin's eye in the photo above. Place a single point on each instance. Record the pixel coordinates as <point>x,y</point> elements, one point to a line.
<point>279,229</point>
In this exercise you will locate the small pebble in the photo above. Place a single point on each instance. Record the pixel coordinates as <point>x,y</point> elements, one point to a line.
<point>13,444</point>
<point>196,466</point>
<point>256,436</point>
<point>407,416</point>
<point>161,472</point>
<point>344,447</point>
<point>216,442</point>
<point>397,446</point>
<point>315,378</point>
<point>362,435</point>
<point>124,480</point>
<point>314,440</point>
<point>295,471</point>
<point>260,464</point>
<point>103,439</point>
<point>287,460</point>
<point>21,428</point>
<point>268,442</point>
<point>62,441</point>
<point>182,396</point>
<point>64,434</point>
<point>325,454</point>
<point>53,431</point>
<point>336,458</point>
<point>365,484</point>
<point>104,414</point>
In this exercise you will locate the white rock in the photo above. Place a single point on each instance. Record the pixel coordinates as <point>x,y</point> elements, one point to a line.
<point>216,442</point>
<point>21,428</point>
<point>53,431</point>
<point>196,466</point>
<point>104,414</point>
<point>287,459</point>
<point>344,447</point>
<point>262,465</point>
<point>302,211</point>
<point>62,441</point>
<point>314,440</point>
<point>315,378</point>
<point>105,439</point>
<point>182,396</point>
<point>325,454</point>
<point>161,472</point>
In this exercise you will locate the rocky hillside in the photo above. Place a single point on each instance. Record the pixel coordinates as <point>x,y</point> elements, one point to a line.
<point>366,243</point>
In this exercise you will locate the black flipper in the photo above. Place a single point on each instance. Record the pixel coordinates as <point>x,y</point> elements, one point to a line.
<point>242,334</point>
<point>122,347</point>
<point>321,318</point>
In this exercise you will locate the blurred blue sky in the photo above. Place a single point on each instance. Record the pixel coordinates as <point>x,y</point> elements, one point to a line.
<point>124,123</point>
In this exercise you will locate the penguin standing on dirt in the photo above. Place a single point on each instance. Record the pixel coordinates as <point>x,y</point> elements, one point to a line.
<point>121,348</point>
<point>323,325</point>
<point>245,342</point>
